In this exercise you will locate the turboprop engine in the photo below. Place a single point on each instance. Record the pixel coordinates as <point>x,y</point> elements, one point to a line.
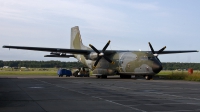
<point>93,56</point>
<point>100,54</point>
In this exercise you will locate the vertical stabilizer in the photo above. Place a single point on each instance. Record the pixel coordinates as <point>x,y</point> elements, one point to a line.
<point>76,41</point>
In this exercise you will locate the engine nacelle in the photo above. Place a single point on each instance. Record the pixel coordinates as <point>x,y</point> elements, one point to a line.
<point>93,56</point>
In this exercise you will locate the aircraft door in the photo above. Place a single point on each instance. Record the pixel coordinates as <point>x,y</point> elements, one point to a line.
<point>124,59</point>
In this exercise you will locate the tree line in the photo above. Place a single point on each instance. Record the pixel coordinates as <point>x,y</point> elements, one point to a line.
<point>41,64</point>
<point>180,66</point>
<point>59,64</point>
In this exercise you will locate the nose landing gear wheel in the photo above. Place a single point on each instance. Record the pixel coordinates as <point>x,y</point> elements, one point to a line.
<point>98,76</point>
<point>104,76</point>
<point>148,77</point>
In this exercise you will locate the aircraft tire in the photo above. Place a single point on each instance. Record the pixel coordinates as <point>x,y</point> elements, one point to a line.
<point>97,76</point>
<point>125,76</point>
<point>128,76</point>
<point>121,76</point>
<point>151,77</point>
<point>148,77</point>
<point>104,76</point>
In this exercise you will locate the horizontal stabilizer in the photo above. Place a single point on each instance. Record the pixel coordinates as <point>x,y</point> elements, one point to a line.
<point>59,56</point>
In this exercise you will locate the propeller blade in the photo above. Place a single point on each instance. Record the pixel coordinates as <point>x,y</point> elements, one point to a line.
<point>97,61</point>
<point>101,54</point>
<point>110,61</point>
<point>152,50</point>
<point>94,49</point>
<point>161,50</point>
<point>105,47</point>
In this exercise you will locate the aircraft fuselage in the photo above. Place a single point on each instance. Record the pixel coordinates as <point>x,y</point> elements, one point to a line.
<point>127,63</point>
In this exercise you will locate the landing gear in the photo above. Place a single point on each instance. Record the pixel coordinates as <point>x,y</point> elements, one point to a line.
<point>148,77</point>
<point>125,76</point>
<point>97,76</point>
<point>122,76</point>
<point>101,76</point>
<point>104,76</point>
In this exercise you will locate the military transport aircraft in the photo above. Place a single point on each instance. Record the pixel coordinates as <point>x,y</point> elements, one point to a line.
<point>122,62</point>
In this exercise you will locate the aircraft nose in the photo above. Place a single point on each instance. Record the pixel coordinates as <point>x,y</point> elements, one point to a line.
<point>157,67</point>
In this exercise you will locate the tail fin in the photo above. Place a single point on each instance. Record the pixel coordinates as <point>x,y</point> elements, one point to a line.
<point>76,41</point>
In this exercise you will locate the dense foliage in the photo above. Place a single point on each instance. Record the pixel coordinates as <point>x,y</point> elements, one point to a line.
<point>41,64</point>
<point>180,66</point>
<point>58,64</point>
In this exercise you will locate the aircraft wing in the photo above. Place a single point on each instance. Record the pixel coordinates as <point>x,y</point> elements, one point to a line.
<point>84,52</point>
<point>61,50</point>
<point>173,52</point>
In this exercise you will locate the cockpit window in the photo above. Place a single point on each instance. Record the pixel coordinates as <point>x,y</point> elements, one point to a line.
<point>150,58</point>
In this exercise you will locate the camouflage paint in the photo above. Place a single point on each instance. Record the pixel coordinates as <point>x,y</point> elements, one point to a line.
<point>133,63</point>
<point>76,43</point>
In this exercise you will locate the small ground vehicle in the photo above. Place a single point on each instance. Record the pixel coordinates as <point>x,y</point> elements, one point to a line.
<point>62,72</point>
<point>81,72</point>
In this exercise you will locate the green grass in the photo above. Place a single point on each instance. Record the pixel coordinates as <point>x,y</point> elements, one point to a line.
<point>172,75</point>
<point>180,75</point>
<point>44,73</point>
<point>27,72</point>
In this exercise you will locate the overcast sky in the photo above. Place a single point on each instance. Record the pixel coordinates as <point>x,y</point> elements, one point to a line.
<point>129,24</point>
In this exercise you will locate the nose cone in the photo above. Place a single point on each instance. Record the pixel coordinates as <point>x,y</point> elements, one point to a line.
<point>157,67</point>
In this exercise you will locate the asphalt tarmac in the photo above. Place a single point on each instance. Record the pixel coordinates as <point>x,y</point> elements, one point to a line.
<point>53,94</point>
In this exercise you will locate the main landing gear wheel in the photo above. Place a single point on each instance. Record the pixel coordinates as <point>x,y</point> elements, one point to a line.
<point>148,77</point>
<point>97,76</point>
<point>104,76</point>
<point>125,76</point>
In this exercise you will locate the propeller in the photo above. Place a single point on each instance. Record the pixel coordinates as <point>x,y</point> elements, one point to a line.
<point>160,51</point>
<point>101,54</point>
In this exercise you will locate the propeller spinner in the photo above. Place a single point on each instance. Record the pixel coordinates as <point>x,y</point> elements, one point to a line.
<point>101,54</point>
